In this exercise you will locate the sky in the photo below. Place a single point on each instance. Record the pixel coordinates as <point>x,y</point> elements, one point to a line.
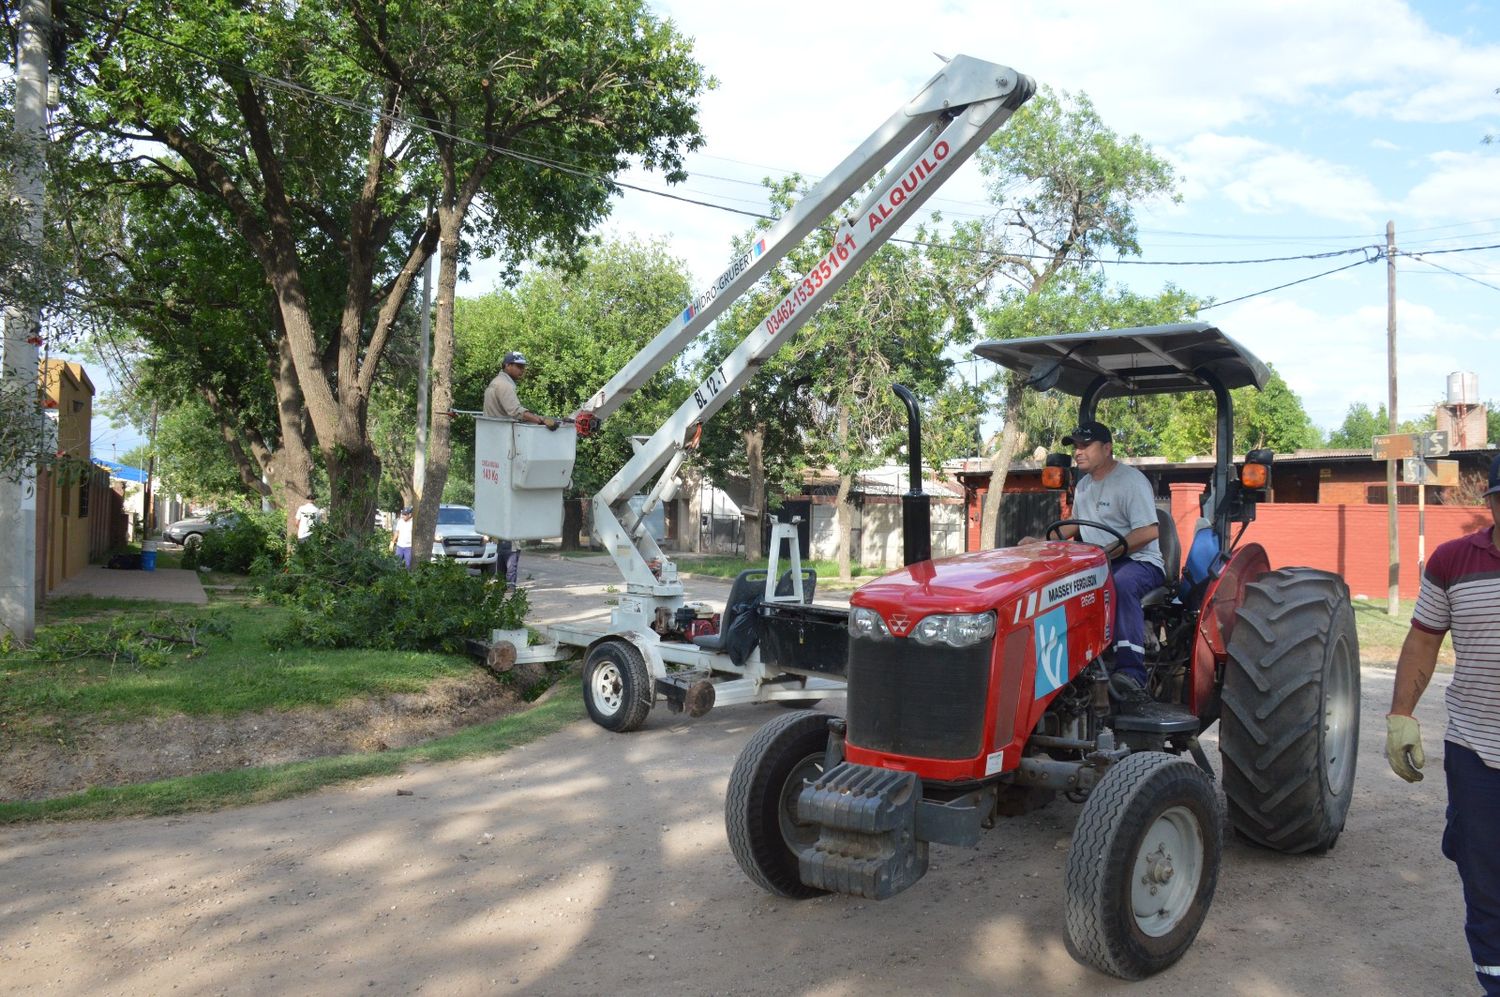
<point>1294,128</point>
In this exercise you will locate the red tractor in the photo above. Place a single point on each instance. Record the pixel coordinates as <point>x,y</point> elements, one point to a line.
<point>978,688</point>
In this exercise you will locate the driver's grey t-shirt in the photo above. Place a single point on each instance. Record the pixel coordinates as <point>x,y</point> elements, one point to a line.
<point>1122,500</point>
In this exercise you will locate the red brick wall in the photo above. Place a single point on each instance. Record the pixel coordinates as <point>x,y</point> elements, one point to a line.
<point>1349,540</point>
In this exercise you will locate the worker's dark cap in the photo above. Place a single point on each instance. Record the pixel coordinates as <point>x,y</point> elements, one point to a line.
<point>516,358</point>
<point>1494,477</point>
<point>406,511</point>
<point>1088,432</point>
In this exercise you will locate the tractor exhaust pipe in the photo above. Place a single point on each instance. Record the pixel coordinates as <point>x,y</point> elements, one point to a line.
<point>916,513</point>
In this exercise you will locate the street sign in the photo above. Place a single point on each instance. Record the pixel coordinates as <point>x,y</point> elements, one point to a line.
<point>1418,471</point>
<point>1395,446</point>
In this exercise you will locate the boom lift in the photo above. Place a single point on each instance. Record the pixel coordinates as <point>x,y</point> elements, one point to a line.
<point>907,158</point>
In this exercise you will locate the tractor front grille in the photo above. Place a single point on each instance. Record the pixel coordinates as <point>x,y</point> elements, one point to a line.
<point>913,699</point>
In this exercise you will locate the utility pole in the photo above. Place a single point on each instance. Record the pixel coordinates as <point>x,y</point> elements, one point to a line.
<point>18,512</point>
<point>1393,596</point>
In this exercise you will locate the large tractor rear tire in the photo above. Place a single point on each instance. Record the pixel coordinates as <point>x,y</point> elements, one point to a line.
<point>1143,865</point>
<point>1289,731</point>
<point>760,809</point>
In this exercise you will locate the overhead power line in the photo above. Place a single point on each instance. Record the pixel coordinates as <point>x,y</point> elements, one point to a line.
<point>1439,266</point>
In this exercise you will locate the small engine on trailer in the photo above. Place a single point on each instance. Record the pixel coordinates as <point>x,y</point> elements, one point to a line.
<point>978,688</point>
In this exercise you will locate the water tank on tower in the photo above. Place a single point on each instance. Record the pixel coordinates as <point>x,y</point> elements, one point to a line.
<point>1462,416</point>
<point>1463,388</point>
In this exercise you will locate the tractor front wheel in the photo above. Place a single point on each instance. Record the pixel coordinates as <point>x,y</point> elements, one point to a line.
<point>1289,727</point>
<point>760,809</point>
<point>1143,865</point>
<point>617,687</point>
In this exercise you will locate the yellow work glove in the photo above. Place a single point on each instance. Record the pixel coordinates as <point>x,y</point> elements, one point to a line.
<point>1403,746</point>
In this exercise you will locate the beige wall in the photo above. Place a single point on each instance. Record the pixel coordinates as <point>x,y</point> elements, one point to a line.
<point>70,394</point>
<point>880,537</point>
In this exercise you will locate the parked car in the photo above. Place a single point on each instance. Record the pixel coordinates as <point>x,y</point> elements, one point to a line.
<point>189,533</point>
<point>456,537</point>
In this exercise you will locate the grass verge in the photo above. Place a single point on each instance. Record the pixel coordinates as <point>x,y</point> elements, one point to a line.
<point>234,674</point>
<point>1381,634</point>
<point>214,790</point>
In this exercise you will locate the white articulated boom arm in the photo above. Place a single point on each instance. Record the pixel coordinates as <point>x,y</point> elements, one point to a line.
<point>920,145</point>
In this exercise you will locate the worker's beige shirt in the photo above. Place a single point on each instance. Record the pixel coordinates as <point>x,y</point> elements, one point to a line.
<point>500,400</point>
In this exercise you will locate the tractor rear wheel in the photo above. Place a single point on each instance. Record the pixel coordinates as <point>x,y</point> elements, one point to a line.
<point>1289,730</point>
<point>617,687</point>
<point>1143,865</point>
<point>760,809</point>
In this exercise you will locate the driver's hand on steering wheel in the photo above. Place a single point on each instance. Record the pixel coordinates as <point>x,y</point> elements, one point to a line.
<point>1027,541</point>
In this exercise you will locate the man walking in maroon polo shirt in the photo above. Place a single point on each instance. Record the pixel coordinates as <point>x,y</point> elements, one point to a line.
<point>1461,595</point>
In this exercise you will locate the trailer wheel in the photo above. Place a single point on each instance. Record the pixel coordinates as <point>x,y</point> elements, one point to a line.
<point>617,686</point>
<point>1289,730</point>
<point>1143,865</point>
<point>760,809</point>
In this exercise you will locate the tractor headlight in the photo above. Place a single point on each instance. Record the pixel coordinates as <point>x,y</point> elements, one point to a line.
<point>955,629</point>
<point>867,623</point>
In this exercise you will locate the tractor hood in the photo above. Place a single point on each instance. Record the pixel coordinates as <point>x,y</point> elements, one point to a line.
<point>991,579</point>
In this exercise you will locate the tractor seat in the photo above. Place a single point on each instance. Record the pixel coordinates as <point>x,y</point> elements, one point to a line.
<point>748,588</point>
<point>1171,560</point>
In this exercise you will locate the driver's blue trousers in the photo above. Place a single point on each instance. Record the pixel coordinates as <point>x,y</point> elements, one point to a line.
<point>1133,579</point>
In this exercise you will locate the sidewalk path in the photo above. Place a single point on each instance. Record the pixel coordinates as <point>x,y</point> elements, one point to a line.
<point>162,585</point>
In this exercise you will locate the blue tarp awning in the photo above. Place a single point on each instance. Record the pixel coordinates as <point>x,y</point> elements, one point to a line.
<point>122,471</point>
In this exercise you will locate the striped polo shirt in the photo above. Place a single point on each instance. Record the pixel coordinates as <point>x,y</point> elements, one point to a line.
<point>1461,593</point>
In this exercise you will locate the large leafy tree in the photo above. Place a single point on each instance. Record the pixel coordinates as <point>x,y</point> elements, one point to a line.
<point>372,132</point>
<point>1067,187</point>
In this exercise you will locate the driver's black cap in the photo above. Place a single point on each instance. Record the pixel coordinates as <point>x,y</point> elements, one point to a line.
<point>1088,432</point>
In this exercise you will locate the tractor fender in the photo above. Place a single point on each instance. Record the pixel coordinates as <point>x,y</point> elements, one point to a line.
<point>1221,603</point>
<point>644,643</point>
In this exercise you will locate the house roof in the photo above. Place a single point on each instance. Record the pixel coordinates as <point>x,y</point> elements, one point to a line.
<point>123,472</point>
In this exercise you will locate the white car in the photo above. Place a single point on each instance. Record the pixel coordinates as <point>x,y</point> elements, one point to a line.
<point>457,538</point>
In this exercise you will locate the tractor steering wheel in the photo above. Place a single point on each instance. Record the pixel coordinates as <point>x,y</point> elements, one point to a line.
<point>1055,527</point>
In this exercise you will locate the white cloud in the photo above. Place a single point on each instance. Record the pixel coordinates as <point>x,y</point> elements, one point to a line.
<point>1261,178</point>
<point>1380,143</point>
<point>1333,361</point>
<point>1461,186</point>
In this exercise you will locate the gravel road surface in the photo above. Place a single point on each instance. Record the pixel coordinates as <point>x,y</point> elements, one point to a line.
<point>592,863</point>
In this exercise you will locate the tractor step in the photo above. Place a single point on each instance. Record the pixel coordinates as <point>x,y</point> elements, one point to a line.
<point>1162,719</point>
<point>867,845</point>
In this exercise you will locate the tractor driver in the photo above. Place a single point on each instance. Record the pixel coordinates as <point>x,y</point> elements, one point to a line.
<point>1120,497</point>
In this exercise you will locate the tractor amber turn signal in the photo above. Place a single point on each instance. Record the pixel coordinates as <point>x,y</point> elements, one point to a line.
<point>1052,477</point>
<point>1254,475</point>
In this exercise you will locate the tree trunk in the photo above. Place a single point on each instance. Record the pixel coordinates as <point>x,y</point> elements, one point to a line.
<point>842,507</point>
<point>844,511</point>
<point>353,480</point>
<point>572,524</point>
<point>290,469</point>
<point>755,516</point>
<point>440,425</point>
<point>1010,441</point>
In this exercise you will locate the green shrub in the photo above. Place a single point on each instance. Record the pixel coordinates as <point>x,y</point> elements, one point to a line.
<point>434,606</point>
<point>243,538</point>
<point>323,561</point>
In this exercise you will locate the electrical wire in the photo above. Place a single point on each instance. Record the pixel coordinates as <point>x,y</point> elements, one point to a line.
<point>1293,283</point>
<point>1476,280</point>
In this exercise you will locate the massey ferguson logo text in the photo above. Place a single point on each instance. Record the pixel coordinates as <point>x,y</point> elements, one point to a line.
<point>724,280</point>
<point>1071,587</point>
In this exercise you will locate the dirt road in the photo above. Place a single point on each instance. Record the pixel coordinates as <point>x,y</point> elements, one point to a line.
<point>595,863</point>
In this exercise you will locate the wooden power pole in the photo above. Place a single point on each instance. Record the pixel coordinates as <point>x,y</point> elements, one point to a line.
<point>1393,596</point>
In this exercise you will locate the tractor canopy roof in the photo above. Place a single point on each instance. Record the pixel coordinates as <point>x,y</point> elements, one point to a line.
<point>1151,360</point>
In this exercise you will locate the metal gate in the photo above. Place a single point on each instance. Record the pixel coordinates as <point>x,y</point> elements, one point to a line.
<point>1026,514</point>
